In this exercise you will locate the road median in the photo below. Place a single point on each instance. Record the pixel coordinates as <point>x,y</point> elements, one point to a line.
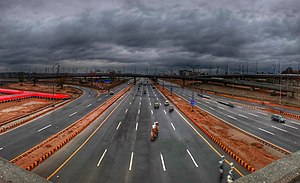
<point>36,155</point>
<point>246,151</point>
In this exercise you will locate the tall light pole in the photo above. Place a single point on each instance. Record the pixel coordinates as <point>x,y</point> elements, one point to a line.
<point>171,89</point>
<point>53,83</point>
<point>193,93</point>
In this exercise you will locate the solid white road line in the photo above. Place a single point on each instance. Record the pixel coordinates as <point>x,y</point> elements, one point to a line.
<point>131,159</point>
<point>294,122</point>
<point>136,126</point>
<point>279,128</point>
<point>243,116</point>
<point>102,157</point>
<point>266,131</point>
<point>253,114</point>
<point>99,99</point>
<point>72,114</point>
<point>262,113</point>
<point>129,103</point>
<point>44,128</point>
<point>290,126</point>
<point>162,162</point>
<point>195,163</point>
<point>126,110</point>
<point>165,112</point>
<point>89,105</point>
<point>118,125</point>
<point>173,126</point>
<point>1,148</point>
<point>231,117</point>
<point>139,111</point>
<point>151,111</point>
<point>222,108</point>
<point>212,108</point>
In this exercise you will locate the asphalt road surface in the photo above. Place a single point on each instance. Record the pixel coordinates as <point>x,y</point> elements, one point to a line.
<point>255,121</point>
<point>120,150</point>
<point>19,140</point>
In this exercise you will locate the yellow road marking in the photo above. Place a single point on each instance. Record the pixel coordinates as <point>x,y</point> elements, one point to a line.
<point>206,141</point>
<point>67,160</point>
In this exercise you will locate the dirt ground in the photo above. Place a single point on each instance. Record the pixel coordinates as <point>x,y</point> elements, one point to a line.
<point>57,139</point>
<point>244,93</point>
<point>15,109</point>
<point>42,87</point>
<point>12,110</point>
<point>252,152</point>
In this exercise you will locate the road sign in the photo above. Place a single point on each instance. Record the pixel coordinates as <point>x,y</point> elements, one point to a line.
<point>171,89</point>
<point>192,102</point>
<point>107,81</point>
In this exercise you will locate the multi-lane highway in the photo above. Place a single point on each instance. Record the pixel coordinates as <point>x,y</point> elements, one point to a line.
<point>17,141</point>
<point>120,149</point>
<point>255,121</point>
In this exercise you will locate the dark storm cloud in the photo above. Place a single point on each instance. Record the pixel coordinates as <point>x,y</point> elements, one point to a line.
<point>158,34</point>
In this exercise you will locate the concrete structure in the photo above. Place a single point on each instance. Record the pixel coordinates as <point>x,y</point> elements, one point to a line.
<point>285,170</point>
<point>13,174</point>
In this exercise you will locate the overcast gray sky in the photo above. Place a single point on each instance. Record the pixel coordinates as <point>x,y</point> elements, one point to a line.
<point>149,33</point>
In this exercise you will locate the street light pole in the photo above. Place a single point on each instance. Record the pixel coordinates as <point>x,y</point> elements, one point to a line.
<point>171,89</point>
<point>193,93</point>
<point>53,83</point>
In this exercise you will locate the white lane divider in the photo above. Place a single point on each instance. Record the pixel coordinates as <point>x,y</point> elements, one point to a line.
<point>159,103</point>
<point>163,162</point>
<point>266,131</point>
<point>231,117</point>
<point>118,125</point>
<point>212,108</point>
<point>131,159</point>
<point>150,103</point>
<point>198,102</point>
<point>253,114</point>
<point>294,122</point>
<point>132,98</point>
<point>139,111</point>
<point>1,148</point>
<point>140,103</point>
<point>239,107</point>
<point>243,116</point>
<point>279,128</point>
<point>99,99</point>
<point>151,111</point>
<point>222,108</point>
<point>130,103</point>
<point>290,126</point>
<point>173,126</point>
<point>165,112</point>
<point>149,98</point>
<point>262,113</point>
<point>99,162</point>
<point>136,126</point>
<point>126,110</point>
<point>89,105</point>
<point>72,114</point>
<point>195,163</point>
<point>44,128</point>
<point>89,95</point>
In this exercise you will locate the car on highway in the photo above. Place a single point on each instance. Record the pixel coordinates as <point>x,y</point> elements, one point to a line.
<point>156,105</point>
<point>144,92</point>
<point>167,103</point>
<point>171,108</point>
<point>277,117</point>
<point>111,92</point>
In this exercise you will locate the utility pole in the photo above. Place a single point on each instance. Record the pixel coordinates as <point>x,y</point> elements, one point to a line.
<point>171,89</point>
<point>193,93</point>
<point>53,83</point>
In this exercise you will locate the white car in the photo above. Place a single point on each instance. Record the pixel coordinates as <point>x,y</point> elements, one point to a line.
<point>167,103</point>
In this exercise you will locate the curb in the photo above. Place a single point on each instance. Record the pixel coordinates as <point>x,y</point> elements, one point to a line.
<point>68,139</point>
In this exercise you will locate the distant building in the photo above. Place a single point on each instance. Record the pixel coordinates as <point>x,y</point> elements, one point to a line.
<point>185,72</point>
<point>290,70</point>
